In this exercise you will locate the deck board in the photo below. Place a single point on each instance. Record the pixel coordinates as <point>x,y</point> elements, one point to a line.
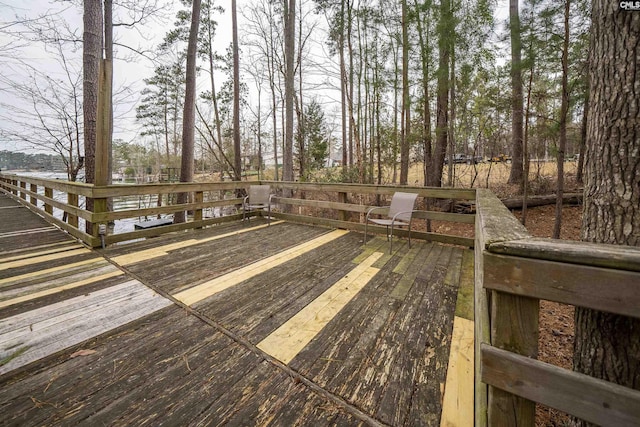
<point>376,354</point>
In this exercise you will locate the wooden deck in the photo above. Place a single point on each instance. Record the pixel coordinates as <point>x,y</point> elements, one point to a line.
<point>236,324</point>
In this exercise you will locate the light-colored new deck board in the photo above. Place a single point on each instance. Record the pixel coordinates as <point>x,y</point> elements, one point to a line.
<point>290,338</point>
<point>48,271</point>
<point>209,288</point>
<point>159,251</point>
<point>51,291</point>
<point>457,405</point>
<point>26,252</point>
<point>73,277</point>
<point>57,247</point>
<point>5,265</point>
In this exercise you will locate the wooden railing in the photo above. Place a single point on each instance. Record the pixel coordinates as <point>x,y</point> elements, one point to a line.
<point>513,273</point>
<point>336,205</point>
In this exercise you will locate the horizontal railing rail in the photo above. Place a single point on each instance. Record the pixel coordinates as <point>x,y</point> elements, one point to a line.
<point>513,273</point>
<point>337,205</point>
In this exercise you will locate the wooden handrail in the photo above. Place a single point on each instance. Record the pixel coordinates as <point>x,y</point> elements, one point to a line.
<point>514,271</point>
<point>17,184</point>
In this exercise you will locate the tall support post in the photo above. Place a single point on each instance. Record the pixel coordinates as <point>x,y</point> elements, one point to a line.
<point>102,144</point>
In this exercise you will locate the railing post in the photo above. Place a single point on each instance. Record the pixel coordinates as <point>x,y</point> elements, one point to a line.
<point>32,199</point>
<point>197,213</point>
<point>72,200</point>
<point>514,327</point>
<point>502,320</point>
<point>99,206</point>
<point>23,186</point>
<point>342,198</point>
<point>48,192</point>
<point>14,182</point>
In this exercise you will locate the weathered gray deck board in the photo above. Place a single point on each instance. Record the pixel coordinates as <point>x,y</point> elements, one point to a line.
<point>32,335</point>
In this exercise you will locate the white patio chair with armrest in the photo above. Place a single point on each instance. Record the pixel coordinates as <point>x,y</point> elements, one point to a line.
<point>259,197</point>
<point>400,214</point>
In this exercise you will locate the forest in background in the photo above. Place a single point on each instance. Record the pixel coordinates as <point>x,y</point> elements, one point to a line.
<point>377,86</point>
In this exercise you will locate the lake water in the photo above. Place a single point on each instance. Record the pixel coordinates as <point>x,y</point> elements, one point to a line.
<point>122,203</point>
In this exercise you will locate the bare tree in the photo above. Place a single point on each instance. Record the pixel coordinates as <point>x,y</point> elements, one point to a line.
<point>189,115</point>
<point>237,155</point>
<point>289,50</point>
<point>516,174</point>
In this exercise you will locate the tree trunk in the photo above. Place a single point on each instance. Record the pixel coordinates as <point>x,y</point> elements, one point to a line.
<point>564,111</point>
<point>406,100</point>
<point>343,92</point>
<point>214,97</point>
<point>426,110</point>
<point>289,51</point>
<point>237,159</point>
<point>608,346</point>
<point>583,138</point>
<point>91,57</point>
<point>189,115</point>
<point>442,99</point>
<point>108,55</point>
<point>515,177</point>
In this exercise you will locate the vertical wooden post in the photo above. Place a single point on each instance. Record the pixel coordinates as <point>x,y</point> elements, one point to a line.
<point>102,146</point>
<point>14,182</point>
<point>48,192</point>
<point>342,198</point>
<point>197,213</point>
<point>23,186</point>
<point>72,200</point>
<point>514,327</point>
<point>32,199</point>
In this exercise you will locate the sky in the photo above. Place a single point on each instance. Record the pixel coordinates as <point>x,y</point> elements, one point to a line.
<point>129,69</point>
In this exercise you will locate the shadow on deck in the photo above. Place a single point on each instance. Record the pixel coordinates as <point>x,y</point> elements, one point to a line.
<point>241,324</point>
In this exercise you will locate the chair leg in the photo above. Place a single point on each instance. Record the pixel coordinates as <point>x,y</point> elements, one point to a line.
<point>269,213</point>
<point>391,240</point>
<point>364,241</point>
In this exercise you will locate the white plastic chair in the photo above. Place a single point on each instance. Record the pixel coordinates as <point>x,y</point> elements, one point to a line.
<point>259,197</point>
<point>400,214</point>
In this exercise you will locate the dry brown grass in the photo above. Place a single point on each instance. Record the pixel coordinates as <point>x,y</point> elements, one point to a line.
<point>542,177</point>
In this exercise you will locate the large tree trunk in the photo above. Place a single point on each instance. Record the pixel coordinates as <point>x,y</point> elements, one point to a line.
<point>406,100</point>
<point>516,175</point>
<point>91,57</point>
<point>189,116</point>
<point>564,111</point>
<point>426,107</point>
<point>608,346</point>
<point>445,34</point>
<point>237,159</point>
<point>343,92</point>
<point>289,48</point>
<point>108,55</point>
